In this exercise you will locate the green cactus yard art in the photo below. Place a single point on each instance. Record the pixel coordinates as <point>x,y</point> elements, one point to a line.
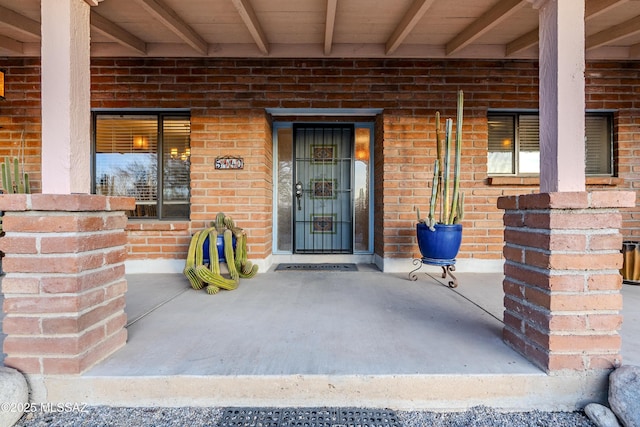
<point>208,276</point>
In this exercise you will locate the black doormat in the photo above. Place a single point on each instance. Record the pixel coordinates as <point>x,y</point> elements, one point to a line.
<point>308,417</point>
<point>316,267</point>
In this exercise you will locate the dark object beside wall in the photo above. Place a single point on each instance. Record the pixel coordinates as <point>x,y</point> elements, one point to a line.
<point>631,263</point>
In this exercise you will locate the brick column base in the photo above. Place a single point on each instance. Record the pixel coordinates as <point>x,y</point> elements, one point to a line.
<point>65,280</point>
<point>562,282</point>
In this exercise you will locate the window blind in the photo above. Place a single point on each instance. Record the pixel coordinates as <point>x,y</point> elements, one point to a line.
<point>115,134</point>
<point>176,154</point>
<point>528,133</point>
<point>501,133</point>
<point>501,144</point>
<point>597,153</point>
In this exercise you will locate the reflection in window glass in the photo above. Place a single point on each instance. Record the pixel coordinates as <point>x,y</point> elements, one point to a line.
<point>127,162</point>
<point>176,154</point>
<point>501,144</point>
<point>285,189</point>
<point>361,189</point>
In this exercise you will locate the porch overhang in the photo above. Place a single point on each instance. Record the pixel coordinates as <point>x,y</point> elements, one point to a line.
<point>480,26</point>
<point>505,29</point>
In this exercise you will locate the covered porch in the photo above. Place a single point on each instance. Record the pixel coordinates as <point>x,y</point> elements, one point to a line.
<point>392,343</point>
<point>362,339</point>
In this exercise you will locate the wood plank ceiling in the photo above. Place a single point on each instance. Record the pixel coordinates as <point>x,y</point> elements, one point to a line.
<point>324,28</point>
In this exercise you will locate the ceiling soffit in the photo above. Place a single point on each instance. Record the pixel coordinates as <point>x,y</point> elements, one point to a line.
<point>492,29</point>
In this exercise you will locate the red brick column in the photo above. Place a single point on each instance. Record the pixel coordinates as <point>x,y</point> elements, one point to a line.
<point>562,285</point>
<point>64,285</point>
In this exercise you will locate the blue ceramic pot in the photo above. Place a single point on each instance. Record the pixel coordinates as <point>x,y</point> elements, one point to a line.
<point>220,245</point>
<point>442,244</point>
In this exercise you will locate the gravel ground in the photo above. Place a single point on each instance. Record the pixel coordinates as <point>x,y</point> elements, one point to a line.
<point>101,416</point>
<point>487,417</point>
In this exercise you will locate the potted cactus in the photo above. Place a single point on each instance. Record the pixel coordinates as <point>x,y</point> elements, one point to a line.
<point>440,233</point>
<point>13,181</point>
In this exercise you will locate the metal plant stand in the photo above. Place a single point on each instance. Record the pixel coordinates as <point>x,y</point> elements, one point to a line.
<point>448,265</point>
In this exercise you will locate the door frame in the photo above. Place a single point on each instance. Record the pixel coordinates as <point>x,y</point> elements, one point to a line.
<point>359,119</point>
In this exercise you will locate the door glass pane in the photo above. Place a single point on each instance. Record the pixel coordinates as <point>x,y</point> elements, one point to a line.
<point>285,189</point>
<point>361,189</point>
<point>176,154</point>
<point>126,160</point>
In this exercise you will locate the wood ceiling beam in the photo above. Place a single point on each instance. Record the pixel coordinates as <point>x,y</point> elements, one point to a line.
<point>592,9</point>
<point>11,44</point>
<point>523,42</point>
<point>171,20</point>
<point>491,18</point>
<point>329,26</point>
<point>634,51</point>
<point>116,33</point>
<point>406,25</point>
<point>19,22</point>
<point>250,19</point>
<point>612,34</point>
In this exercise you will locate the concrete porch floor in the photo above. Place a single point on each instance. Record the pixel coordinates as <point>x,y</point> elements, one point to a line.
<point>313,338</point>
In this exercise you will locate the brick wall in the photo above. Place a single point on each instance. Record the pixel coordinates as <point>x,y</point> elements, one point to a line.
<point>627,153</point>
<point>64,285</point>
<point>20,116</point>
<point>228,97</point>
<point>158,239</point>
<point>244,194</point>
<point>562,287</point>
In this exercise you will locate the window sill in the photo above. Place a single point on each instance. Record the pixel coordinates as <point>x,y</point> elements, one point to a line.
<point>535,181</point>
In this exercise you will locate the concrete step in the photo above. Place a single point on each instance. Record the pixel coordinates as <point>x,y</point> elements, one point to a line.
<point>400,392</point>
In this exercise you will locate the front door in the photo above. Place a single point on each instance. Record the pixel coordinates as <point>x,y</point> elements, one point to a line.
<point>323,216</point>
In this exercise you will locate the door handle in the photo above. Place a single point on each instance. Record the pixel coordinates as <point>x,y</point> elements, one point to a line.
<point>299,193</point>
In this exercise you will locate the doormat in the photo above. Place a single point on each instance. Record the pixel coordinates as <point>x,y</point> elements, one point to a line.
<point>312,417</point>
<point>316,267</point>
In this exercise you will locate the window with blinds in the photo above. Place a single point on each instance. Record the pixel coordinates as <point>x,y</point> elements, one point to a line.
<point>514,144</point>
<point>598,133</point>
<point>146,156</point>
<point>501,144</point>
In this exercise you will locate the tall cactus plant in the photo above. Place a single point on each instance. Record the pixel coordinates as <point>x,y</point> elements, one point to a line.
<point>14,181</point>
<point>446,204</point>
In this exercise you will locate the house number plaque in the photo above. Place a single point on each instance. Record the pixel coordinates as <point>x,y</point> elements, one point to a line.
<point>229,162</point>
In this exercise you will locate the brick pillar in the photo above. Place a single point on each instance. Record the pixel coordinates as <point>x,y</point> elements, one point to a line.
<point>562,285</point>
<point>65,280</point>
